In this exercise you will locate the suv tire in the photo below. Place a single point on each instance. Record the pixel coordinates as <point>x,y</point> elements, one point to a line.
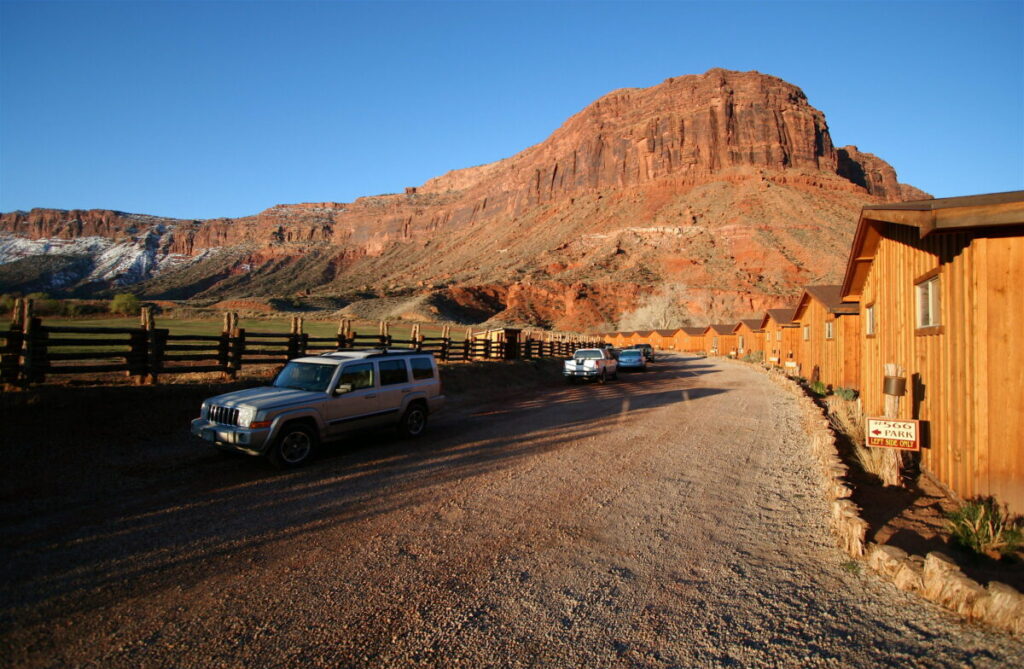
<point>414,420</point>
<point>294,447</point>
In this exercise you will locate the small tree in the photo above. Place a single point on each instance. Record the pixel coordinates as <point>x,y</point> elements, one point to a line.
<point>125,304</point>
<point>7,301</point>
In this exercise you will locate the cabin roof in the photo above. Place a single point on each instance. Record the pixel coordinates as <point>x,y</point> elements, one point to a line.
<point>722,328</point>
<point>781,316</point>
<point>695,331</point>
<point>830,297</point>
<point>980,213</point>
<point>667,333</point>
<point>752,323</point>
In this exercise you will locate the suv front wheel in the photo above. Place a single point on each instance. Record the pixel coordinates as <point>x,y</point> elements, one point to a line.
<point>293,447</point>
<point>414,420</point>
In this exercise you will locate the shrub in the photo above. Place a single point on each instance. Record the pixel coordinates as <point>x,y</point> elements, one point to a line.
<point>44,305</point>
<point>754,356</point>
<point>980,526</point>
<point>848,394</point>
<point>819,388</point>
<point>125,304</point>
<point>7,302</point>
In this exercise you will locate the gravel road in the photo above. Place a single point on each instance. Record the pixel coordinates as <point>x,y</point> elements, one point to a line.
<point>669,519</point>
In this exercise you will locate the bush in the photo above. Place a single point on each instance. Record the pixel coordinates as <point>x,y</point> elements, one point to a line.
<point>7,302</point>
<point>125,304</point>
<point>818,388</point>
<point>754,356</point>
<point>44,305</point>
<point>980,526</point>
<point>848,394</point>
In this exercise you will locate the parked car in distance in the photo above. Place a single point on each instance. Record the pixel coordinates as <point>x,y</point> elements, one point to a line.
<point>597,364</point>
<point>646,348</point>
<point>632,359</point>
<point>323,397</point>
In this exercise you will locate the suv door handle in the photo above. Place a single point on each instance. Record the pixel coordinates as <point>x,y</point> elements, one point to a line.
<point>406,390</point>
<point>369,397</point>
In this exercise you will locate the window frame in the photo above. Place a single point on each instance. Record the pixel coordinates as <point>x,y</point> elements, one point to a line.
<point>806,332</point>
<point>928,288</point>
<point>830,329</point>
<point>870,323</point>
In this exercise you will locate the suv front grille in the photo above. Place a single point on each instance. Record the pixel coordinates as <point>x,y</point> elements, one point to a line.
<point>224,415</point>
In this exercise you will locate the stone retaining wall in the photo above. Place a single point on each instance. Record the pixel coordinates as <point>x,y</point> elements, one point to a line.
<point>935,577</point>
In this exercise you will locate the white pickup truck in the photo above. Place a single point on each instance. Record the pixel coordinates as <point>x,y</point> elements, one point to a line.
<point>591,363</point>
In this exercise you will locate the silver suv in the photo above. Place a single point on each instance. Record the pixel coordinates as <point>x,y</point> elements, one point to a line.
<point>322,397</point>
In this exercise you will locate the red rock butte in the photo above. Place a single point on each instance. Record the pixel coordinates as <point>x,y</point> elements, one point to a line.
<point>723,190</point>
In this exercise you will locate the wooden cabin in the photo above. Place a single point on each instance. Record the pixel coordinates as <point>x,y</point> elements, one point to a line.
<point>690,339</point>
<point>781,339</point>
<point>941,289</point>
<point>830,337</point>
<point>749,336</point>
<point>640,337</point>
<point>664,340</point>
<point>720,340</point>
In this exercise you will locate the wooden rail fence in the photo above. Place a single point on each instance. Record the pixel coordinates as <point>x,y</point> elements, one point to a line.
<point>32,351</point>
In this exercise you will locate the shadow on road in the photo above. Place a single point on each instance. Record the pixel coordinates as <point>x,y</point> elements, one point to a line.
<point>185,524</point>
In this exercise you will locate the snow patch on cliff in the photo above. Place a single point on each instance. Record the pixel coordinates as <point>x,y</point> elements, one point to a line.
<point>119,263</point>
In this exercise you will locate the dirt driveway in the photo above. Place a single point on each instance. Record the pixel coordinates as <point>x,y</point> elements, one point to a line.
<point>671,518</point>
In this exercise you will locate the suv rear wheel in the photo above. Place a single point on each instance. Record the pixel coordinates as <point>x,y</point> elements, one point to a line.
<point>294,447</point>
<point>414,420</point>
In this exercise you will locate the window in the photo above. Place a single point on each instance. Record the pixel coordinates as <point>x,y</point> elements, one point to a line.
<point>869,320</point>
<point>392,372</point>
<point>305,376</point>
<point>829,331</point>
<point>421,368</point>
<point>807,333</point>
<point>778,335</point>
<point>741,342</point>
<point>928,302</point>
<point>714,342</point>
<point>357,376</point>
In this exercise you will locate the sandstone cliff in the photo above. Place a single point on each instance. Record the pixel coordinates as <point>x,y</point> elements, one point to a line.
<point>723,189</point>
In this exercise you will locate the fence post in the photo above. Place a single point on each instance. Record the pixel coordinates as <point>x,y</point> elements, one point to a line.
<point>157,347</point>
<point>10,355</point>
<point>237,351</point>
<point>292,345</point>
<point>34,347</point>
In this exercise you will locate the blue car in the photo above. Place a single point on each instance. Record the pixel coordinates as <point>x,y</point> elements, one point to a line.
<point>632,359</point>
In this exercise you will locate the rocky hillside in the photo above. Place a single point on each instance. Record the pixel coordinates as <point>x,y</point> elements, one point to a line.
<point>705,196</point>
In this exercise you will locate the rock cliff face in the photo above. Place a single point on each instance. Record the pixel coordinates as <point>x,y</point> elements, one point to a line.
<point>723,189</point>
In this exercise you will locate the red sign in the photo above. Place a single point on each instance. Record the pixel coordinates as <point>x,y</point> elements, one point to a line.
<point>886,433</point>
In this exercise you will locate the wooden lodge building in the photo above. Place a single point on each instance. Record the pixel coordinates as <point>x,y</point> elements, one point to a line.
<point>941,289</point>
<point>749,336</point>
<point>781,339</point>
<point>719,339</point>
<point>829,337</point>
<point>690,339</point>
<point>937,287</point>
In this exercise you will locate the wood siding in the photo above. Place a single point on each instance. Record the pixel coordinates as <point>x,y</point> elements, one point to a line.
<point>836,361</point>
<point>965,377</point>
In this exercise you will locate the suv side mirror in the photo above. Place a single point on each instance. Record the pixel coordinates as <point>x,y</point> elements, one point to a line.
<point>343,388</point>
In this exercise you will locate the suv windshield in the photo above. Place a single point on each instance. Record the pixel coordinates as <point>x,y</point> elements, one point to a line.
<point>305,376</point>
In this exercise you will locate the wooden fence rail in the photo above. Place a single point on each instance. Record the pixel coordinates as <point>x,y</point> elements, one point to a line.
<point>31,351</point>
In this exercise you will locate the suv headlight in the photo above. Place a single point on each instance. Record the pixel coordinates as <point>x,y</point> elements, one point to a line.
<point>246,415</point>
<point>204,411</point>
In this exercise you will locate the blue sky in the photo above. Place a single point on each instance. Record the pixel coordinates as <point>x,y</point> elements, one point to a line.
<point>208,109</point>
